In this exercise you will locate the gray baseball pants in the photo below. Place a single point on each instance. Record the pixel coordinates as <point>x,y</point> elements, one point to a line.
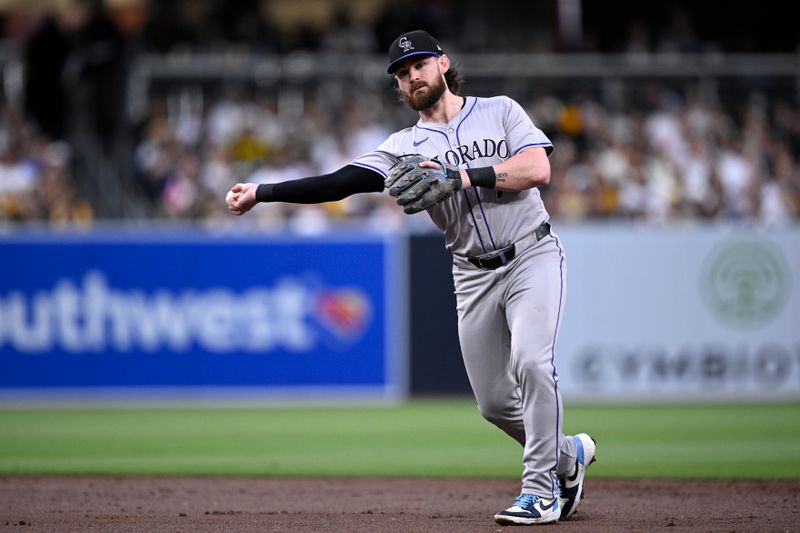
<point>508,321</point>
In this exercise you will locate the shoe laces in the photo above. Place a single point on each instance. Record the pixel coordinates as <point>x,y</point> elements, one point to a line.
<point>526,500</point>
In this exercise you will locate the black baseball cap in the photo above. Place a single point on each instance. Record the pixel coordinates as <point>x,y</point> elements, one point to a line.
<point>413,43</point>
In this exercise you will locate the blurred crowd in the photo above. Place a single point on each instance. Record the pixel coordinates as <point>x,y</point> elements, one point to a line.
<point>189,156</point>
<point>35,178</point>
<point>676,156</point>
<point>683,158</point>
<point>680,158</point>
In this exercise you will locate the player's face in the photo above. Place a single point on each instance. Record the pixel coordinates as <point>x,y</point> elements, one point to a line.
<point>420,82</point>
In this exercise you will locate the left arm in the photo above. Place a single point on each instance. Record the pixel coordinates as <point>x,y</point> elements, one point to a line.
<point>526,170</point>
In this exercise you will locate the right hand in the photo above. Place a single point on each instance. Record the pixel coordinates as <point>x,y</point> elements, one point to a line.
<point>241,198</point>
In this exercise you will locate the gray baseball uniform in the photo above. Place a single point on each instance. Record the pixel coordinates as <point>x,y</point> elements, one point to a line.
<point>510,299</point>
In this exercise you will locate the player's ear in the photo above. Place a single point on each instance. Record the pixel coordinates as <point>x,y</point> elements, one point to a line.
<point>444,63</point>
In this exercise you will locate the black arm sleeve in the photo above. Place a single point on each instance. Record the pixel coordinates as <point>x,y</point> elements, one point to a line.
<point>346,181</point>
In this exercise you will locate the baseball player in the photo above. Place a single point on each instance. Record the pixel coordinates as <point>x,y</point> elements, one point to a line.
<point>478,165</point>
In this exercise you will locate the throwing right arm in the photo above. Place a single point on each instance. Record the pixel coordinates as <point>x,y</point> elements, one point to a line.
<point>345,182</point>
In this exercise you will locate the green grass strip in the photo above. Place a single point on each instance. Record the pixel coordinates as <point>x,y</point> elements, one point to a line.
<point>441,438</point>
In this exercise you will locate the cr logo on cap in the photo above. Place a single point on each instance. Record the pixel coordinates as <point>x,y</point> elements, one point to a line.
<point>405,44</point>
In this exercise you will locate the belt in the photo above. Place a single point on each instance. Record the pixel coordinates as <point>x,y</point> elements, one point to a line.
<point>504,256</point>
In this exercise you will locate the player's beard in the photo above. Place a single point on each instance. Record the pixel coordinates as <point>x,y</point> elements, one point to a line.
<point>419,100</point>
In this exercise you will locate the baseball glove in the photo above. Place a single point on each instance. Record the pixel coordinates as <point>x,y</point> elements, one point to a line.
<point>417,188</point>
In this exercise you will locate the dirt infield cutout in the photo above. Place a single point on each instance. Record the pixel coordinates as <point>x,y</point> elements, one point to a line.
<point>185,504</point>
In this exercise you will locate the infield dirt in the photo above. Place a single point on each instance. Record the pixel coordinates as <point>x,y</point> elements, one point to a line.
<point>211,504</point>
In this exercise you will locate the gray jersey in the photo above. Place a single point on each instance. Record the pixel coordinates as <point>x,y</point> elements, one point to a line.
<point>486,131</point>
<point>508,318</point>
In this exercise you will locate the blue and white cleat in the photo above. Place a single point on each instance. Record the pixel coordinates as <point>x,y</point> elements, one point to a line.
<point>529,509</point>
<point>572,484</point>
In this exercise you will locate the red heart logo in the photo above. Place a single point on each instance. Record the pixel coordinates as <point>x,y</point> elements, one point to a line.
<point>345,312</point>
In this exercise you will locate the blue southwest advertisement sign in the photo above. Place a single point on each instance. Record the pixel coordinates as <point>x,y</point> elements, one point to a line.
<point>186,313</point>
